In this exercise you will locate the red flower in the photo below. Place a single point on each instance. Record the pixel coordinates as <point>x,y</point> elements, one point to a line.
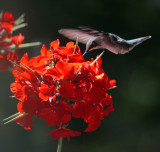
<point>28,105</point>
<point>4,63</point>
<point>17,40</point>
<point>6,22</point>
<point>46,92</point>
<point>63,132</point>
<point>91,113</point>
<point>8,43</point>
<point>55,44</point>
<point>25,122</point>
<point>67,89</point>
<point>57,114</point>
<point>58,85</point>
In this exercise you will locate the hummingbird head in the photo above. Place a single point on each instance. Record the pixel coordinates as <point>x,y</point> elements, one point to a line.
<point>117,45</point>
<point>123,46</point>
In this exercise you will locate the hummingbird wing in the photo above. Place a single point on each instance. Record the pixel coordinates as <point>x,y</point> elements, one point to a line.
<point>92,31</point>
<point>73,34</point>
<point>84,34</point>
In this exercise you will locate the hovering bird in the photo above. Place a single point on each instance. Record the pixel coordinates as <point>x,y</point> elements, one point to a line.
<point>98,39</point>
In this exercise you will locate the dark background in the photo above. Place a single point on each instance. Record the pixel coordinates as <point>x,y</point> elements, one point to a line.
<point>135,124</point>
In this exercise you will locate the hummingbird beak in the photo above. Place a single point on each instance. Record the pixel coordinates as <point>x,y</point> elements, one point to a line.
<point>137,41</point>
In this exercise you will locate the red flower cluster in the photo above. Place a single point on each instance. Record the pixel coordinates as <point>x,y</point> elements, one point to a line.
<point>8,43</point>
<point>58,85</point>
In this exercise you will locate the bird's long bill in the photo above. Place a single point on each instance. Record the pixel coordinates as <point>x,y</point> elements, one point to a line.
<point>137,41</point>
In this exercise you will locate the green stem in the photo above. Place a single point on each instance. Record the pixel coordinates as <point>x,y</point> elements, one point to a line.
<point>97,58</point>
<point>10,117</point>
<point>77,73</point>
<point>17,27</point>
<point>25,45</point>
<point>19,20</point>
<point>13,119</point>
<point>59,148</point>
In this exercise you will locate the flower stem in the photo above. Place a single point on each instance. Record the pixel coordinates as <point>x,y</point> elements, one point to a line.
<point>97,58</point>
<point>25,45</point>
<point>59,148</point>
<point>17,27</point>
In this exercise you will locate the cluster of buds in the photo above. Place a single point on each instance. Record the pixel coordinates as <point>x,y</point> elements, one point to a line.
<point>9,44</point>
<point>59,85</point>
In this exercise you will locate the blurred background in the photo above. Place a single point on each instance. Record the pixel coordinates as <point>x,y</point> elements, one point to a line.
<point>134,126</point>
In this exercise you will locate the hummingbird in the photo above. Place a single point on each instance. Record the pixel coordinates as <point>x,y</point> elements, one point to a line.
<point>95,39</point>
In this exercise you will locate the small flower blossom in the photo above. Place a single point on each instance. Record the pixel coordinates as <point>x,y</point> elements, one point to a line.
<point>58,85</point>
<point>6,22</point>
<point>63,132</point>
<point>9,44</point>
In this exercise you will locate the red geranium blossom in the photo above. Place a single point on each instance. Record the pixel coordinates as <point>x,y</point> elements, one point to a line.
<point>6,22</point>
<point>58,85</point>
<point>9,44</point>
<point>63,132</point>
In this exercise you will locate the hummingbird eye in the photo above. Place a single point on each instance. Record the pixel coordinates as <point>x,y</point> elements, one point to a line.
<point>114,38</point>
